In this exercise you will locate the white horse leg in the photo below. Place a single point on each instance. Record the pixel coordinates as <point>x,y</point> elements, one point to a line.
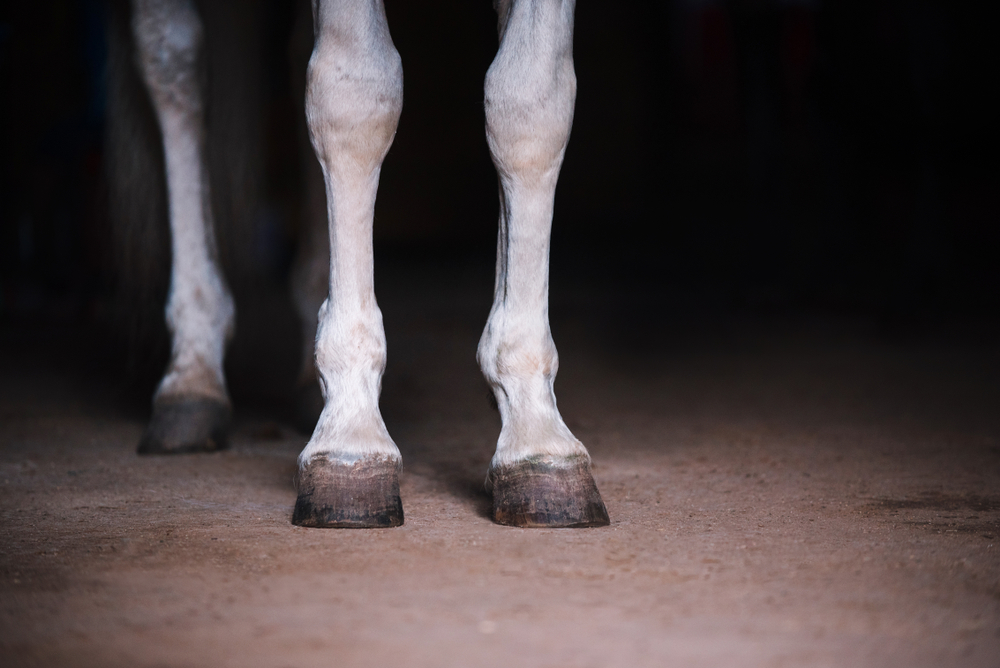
<point>540,474</point>
<point>191,407</point>
<point>348,472</point>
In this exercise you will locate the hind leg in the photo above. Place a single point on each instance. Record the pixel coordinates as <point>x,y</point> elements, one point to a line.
<point>540,474</point>
<point>348,472</point>
<point>191,407</point>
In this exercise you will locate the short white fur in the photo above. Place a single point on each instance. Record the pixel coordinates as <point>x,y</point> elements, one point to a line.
<point>354,96</point>
<point>200,311</point>
<point>354,99</point>
<point>530,95</point>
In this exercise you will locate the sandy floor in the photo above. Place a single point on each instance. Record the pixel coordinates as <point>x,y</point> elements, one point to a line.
<point>782,493</point>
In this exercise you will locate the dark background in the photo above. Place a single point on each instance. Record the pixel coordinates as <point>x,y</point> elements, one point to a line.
<point>749,157</point>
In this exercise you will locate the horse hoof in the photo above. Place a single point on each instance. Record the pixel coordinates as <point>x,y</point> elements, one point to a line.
<point>186,425</point>
<point>547,492</point>
<point>362,495</point>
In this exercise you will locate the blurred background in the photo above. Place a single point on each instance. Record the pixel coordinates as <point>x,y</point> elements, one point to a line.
<point>770,158</point>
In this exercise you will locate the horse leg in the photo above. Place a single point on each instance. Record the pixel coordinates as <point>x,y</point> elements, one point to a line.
<point>348,472</point>
<point>540,474</point>
<point>191,407</point>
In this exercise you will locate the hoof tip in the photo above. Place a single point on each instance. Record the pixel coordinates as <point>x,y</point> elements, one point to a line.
<point>186,425</point>
<point>362,495</point>
<point>548,494</point>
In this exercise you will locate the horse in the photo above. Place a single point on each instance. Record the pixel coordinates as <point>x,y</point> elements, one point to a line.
<point>348,472</point>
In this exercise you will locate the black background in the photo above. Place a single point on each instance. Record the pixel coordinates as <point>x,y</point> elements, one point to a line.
<point>762,157</point>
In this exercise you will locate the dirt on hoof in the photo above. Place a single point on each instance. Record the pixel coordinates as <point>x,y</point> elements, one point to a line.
<point>360,495</point>
<point>180,426</point>
<point>793,492</point>
<point>542,493</point>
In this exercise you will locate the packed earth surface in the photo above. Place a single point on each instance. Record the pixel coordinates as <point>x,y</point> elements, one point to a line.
<point>798,490</point>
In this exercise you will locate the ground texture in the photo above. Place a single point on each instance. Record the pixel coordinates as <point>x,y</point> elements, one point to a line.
<point>782,491</point>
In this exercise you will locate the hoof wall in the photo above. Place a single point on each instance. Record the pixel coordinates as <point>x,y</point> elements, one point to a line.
<point>363,495</point>
<point>186,425</point>
<point>547,494</point>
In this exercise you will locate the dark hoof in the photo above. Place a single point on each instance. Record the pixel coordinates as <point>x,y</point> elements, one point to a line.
<point>308,405</point>
<point>547,493</point>
<point>363,495</point>
<point>186,425</point>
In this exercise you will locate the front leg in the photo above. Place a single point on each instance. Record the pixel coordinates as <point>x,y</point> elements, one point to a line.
<point>540,474</point>
<point>348,472</point>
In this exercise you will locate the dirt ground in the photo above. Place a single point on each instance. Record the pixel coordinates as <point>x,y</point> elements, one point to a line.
<point>784,491</point>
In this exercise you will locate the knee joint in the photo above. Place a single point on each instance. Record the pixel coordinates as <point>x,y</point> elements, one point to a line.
<point>353,103</point>
<point>527,125</point>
